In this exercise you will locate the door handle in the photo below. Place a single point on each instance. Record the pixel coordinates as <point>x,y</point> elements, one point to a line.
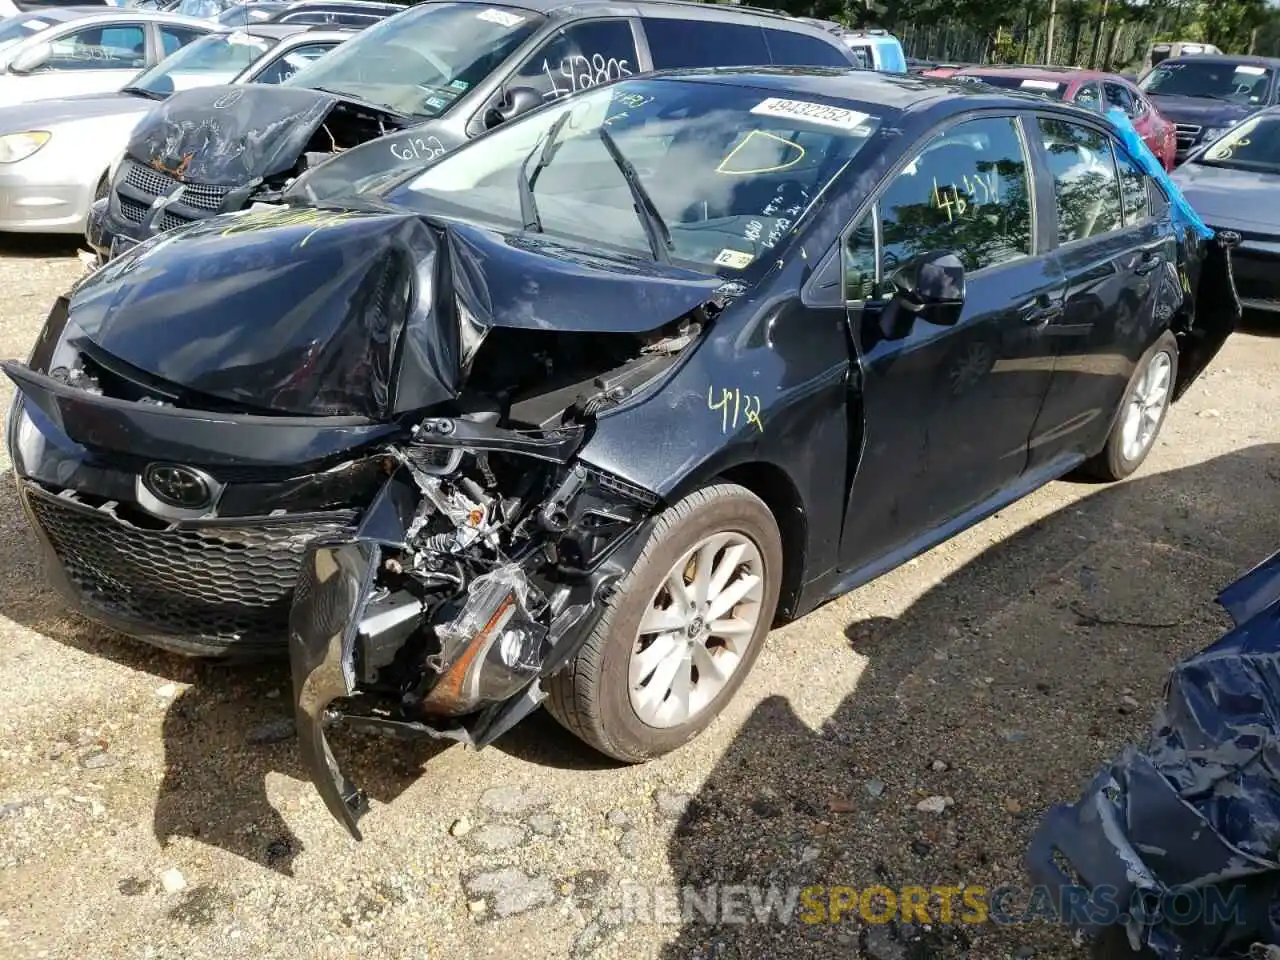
<point>1148,263</point>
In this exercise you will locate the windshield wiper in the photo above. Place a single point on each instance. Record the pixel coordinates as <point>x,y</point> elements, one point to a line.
<point>143,92</point>
<point>655,228</point>
<point>526,178</point>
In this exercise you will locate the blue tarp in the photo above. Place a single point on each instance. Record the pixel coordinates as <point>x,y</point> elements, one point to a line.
<point>1129,136</point>
<point>1194,812</point>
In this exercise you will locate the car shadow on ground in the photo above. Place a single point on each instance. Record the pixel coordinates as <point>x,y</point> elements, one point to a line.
<point>227,728</point>
<point>39,246</point>
<point>998,693</point>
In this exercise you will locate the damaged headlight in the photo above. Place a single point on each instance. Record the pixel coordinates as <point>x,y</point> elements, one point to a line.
<point>498,624</point>
<point>18,146</point>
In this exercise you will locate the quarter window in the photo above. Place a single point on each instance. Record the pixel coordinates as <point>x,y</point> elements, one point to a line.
<point>1133,189</point>
<point>578,57</point>
<point>100,48</point>
<point>790,49</point>
<point>1085,186</point>
<point>703,43</point>
<point>966,192</point>
<point>1119,96</point>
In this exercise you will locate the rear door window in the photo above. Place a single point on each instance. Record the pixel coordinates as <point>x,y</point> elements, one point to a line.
<point>173,39</point>
<point>789,49</point>
<point>580,56</point>
<point>290,63</point>
<point>1118,95</point>
<point>1086,188</point>
<point>703,43</point>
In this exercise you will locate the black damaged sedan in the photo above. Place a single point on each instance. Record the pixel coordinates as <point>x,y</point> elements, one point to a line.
<point>575,413</point>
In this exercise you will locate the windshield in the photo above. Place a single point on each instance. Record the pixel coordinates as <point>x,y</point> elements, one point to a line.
<point>212,59</point>
<point>1042,88</point>
<point>16,29</point>
<point>1253,145</point>
<point>1211,79</point>
<point>705,174</point>
<point>420,61</point>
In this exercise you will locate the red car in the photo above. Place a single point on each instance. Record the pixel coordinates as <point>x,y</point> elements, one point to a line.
<point>1091,89</point>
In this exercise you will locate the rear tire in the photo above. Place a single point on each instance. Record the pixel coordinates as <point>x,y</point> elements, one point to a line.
<point>609,696</point>
<point>1141,414</point>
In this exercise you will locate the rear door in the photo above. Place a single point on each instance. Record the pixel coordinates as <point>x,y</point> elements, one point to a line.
<point>948,410</point>
<point>1113,252</point>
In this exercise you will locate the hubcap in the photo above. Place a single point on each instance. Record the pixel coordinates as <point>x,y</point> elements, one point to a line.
<point>696,630</point>
<point>1146,406</point>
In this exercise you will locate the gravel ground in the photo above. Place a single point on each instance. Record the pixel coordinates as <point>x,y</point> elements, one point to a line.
<point>150,807</point>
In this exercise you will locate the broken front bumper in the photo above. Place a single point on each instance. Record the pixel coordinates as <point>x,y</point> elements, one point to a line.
<point>346,627</point>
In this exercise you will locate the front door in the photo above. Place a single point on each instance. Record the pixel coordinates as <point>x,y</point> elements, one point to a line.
<point>90,60</point>
<point>1113,253</point>
<point>948,410</point>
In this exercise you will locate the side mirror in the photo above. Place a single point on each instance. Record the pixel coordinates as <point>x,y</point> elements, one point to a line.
<point>511,104</point>
<point>31,59</point>
<point>931,286</point>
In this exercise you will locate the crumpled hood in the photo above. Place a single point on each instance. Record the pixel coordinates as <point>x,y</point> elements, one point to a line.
<point>228,135</point>
<point>1202,111</point>
<point>351,313</point>
<point>1231,198</point>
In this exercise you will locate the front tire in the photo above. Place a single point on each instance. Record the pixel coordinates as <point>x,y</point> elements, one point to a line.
<point>1141,413</point>
<point>681,632</point>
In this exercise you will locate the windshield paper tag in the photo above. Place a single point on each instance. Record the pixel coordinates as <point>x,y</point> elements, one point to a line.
<point>1251,71</point>
<point>500,17</point>
<point>1039,85</point>
<point>813,112</point>
<point>734,258</point>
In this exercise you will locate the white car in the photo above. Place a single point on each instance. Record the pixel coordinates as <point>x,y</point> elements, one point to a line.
<point>55,154</point>
<point>64,51</point>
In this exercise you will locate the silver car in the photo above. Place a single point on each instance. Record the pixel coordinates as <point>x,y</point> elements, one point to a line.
<point>64,51</point>
<point>55,155</point>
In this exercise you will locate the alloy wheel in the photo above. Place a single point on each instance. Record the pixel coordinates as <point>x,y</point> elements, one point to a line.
<point>696,629</point>
<point>1146,406</point>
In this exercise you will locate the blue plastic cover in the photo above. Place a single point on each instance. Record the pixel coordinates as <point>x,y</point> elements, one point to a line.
<point>1183,213</point>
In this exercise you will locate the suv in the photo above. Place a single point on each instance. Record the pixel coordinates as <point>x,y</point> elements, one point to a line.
<point>1205,94</point>
<point>412,88</point>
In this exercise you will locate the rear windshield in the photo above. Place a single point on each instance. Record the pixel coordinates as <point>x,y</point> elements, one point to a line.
<point>1041,88</point>
<point>421,61</point>
<point>1210,80</point>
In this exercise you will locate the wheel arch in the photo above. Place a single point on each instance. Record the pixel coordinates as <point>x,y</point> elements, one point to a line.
<point>772,484</point>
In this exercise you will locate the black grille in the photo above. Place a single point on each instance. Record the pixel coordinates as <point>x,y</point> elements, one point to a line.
<point>1187,134</point>
<point>132,210</point>
<point>1257,275</point>
<point>153,183</point>
<point>226,583</point>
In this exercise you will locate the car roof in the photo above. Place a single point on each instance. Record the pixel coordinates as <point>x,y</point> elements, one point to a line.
<point>282,31</point>
<point>109,15</point>
<point>1037,72</point>
<point>1241,58</point>
<point>688,9</point>
<point>893,93</point>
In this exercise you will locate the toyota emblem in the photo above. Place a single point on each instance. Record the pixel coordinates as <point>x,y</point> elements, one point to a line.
<point>180,486</point>
<point>228,99</point>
